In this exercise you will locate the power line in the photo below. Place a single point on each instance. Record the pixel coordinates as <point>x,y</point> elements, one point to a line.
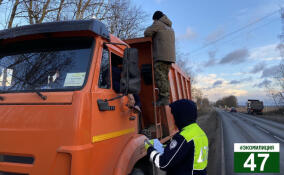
<point>235,31</point>
<point>237,37</point>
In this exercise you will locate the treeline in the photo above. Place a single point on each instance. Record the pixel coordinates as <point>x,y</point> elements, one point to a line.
<point>229,101</point>
<point>202,103</point>
<point>123,19</point>
<point>200,99</point>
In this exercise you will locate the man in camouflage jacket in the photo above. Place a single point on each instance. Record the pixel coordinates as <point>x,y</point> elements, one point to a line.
<point>163,37</point>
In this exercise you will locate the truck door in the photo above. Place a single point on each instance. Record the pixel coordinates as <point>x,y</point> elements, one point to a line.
<point>111,129</point>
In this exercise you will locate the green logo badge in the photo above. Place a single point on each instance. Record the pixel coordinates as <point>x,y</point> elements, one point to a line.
<point>256,158</point>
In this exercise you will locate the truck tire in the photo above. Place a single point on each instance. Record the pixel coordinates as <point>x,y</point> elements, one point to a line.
<point>137,171</point>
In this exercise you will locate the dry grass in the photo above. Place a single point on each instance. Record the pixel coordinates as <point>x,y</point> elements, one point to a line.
<point>269,112</point>
<point>266,109</point>
<point>204,111</point>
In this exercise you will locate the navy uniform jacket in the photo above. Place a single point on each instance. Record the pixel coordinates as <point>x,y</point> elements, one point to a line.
<point>179,154</point>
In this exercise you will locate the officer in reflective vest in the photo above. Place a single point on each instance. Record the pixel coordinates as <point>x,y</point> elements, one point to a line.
<point>187,152</point>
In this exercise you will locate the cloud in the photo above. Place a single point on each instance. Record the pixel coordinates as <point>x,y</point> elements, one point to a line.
<point>240,81</point>
<point>212,60</point>
<point>236,92</point>
<point>270,71</point>
<point>265,53</point>
<point>235,57</point>
<point>217,83</point>
<point>258,67</point>
<point>205,83</point>
<point>189,34</point>
<point>215,35</point>
<point>263,83</point>
<point>235,82</point>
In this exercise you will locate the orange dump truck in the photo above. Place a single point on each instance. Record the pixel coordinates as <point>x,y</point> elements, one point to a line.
<point>59,113</point>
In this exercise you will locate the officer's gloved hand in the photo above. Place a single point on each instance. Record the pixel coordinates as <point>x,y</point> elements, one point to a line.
<point>148,143</point>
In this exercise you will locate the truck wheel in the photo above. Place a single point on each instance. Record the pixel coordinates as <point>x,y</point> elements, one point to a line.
<point>137,171</point>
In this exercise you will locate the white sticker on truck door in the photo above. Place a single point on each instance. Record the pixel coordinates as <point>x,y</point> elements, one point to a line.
<point>75,79</point>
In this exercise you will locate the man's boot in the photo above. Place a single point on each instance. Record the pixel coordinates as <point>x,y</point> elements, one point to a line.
<point>162,101</point>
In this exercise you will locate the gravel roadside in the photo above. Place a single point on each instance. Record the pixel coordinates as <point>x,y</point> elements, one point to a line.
<point>210,123</point>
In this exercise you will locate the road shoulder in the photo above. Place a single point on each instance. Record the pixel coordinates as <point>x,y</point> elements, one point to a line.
<point>211,124</point>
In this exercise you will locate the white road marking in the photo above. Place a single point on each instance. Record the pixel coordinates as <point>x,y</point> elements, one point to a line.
<point>262,129</point>
<point>278,138</point>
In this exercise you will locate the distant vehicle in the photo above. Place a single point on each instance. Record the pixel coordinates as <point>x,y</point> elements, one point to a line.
<point>233,109</point>
<point>254,106</point>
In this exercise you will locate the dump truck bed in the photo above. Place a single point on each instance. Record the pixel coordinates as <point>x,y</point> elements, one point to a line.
<point>158,121</point>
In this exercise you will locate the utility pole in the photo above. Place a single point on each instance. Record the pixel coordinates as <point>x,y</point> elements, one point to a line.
<point>281,48</point>
<point>281,36</point>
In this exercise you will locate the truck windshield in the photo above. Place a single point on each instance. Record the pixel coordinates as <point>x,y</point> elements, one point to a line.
<point>54,64</point>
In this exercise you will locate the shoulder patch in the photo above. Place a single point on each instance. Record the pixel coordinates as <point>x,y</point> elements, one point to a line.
<point>173,144</point>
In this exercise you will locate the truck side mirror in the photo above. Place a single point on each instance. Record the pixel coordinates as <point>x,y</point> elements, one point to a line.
<point>130,77</point>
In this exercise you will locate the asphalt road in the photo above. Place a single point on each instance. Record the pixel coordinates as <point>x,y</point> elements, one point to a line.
<point>243,128</point>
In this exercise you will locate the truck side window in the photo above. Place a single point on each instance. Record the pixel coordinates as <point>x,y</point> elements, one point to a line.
<point>104,78</point>
<point>116,67</point>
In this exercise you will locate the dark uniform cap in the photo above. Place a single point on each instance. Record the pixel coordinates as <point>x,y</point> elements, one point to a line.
<point>157,15</point>
<point>184,112</point>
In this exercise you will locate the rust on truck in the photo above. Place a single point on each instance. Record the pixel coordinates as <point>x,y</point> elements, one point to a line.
<point>51,78</point>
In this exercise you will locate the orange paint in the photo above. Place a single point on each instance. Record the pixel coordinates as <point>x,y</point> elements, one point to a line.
<point>68,135</point>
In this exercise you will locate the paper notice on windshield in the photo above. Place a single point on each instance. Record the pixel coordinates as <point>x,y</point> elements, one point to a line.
<point>75,79</point>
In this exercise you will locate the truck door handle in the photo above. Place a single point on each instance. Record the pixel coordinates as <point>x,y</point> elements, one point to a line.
<point>104,106</point>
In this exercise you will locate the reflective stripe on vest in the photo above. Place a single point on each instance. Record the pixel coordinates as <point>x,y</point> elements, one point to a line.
<point>195,133</point>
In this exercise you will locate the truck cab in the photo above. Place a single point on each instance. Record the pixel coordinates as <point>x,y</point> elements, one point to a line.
<point>60,112</point>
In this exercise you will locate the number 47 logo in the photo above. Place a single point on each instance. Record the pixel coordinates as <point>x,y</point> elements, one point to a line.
<point>250,163</point>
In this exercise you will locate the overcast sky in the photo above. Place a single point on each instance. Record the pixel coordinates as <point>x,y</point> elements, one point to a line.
<point>245,57</point>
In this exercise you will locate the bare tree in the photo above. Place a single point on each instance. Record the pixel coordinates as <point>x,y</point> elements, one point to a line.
<point>13,13</point>
<point>36,11</point>
<point>121,17</point>
<point>125,19</point>
<point>183,61</point>
<point>281,75</point>
<point>276,91</point>
<point>197,95</point>
<point>228,101</point>
<point>279,95</point>
<point>205,102</point>
<point>60,7</point>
